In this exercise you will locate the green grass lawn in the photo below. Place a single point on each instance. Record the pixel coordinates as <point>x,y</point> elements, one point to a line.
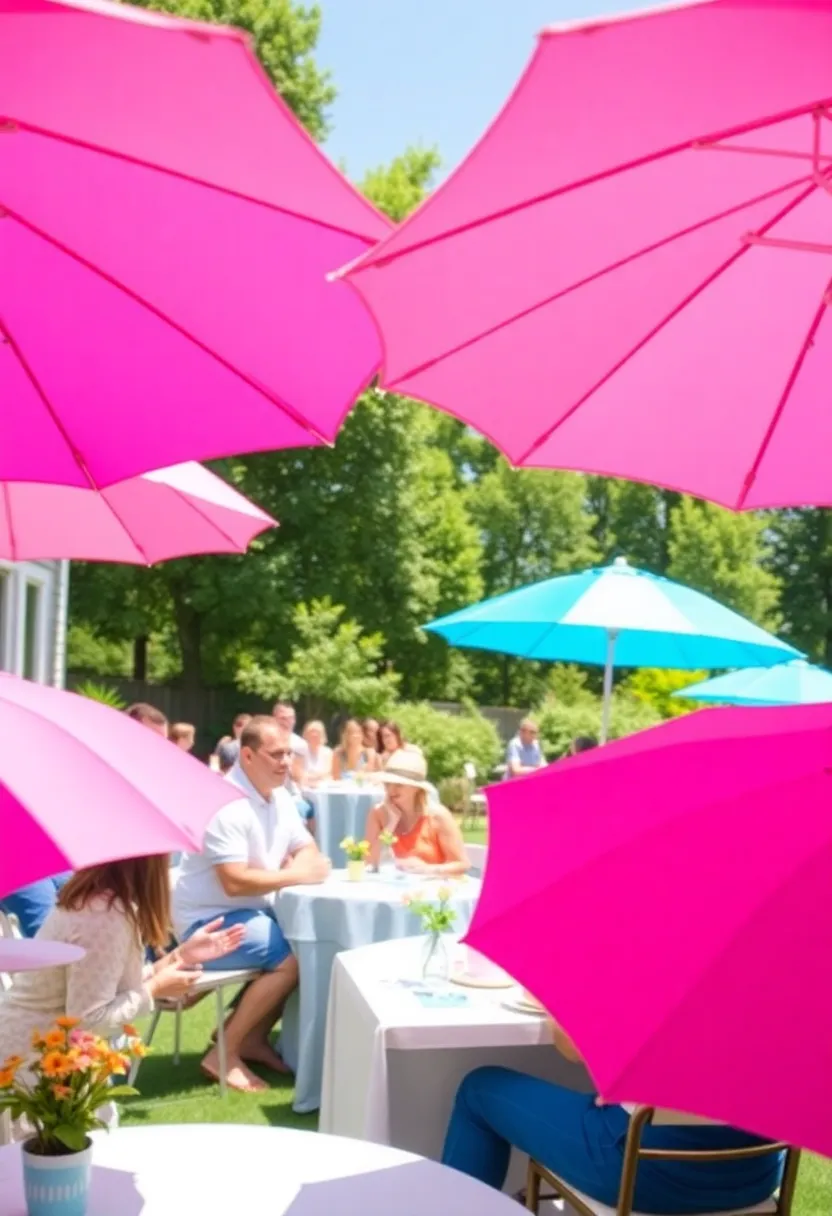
<point>180,1094</point>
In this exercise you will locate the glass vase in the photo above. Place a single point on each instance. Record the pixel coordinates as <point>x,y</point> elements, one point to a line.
<point>436,959</point>
<point>387,862</point>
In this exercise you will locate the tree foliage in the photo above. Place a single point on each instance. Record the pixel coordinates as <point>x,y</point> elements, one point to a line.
<point>410,515</point>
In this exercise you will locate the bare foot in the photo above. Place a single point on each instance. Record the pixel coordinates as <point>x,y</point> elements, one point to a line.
<point>237,1075</point>
<point>261,1052</point>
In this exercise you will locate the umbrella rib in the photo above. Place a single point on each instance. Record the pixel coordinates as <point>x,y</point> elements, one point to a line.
<point>12,342</point>
<point>628,259</point>
<point>139,548</point>
<point>287,409</point>
<point>786,394</point>
<point>12,539</point>
<point>115,154</point>
<point>371,262</point>
<point>271,523</point>
<point>660,325</point>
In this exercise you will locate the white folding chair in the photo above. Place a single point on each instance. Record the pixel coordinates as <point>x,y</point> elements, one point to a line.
<point>209,981</point>
<point>634,1153</point>
<point>475,803</point>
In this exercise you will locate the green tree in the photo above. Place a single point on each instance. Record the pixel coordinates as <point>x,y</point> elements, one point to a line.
<point>631,520</point>
<point>724,555</point>
<point>801,558</point>
<point>285,35</point>
<point>333,665</point>
<point>400,186</point>
<point>533,524</point>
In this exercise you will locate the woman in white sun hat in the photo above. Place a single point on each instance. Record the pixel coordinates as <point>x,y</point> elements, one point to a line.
<point>428,840</point>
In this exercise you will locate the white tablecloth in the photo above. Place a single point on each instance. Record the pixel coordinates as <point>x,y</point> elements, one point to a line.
<point>223,1169</point>
<point>392,1065</point>
<point>341,809</point>
<point>320,921</point>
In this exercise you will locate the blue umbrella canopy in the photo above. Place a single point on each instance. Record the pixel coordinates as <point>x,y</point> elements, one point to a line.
<point>794,683</point>
<point>615,616</point>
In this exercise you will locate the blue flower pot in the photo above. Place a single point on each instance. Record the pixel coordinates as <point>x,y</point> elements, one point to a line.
<point>57,1186</point>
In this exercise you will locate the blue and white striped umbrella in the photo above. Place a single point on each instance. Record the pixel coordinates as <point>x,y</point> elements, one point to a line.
<point>614,616</point>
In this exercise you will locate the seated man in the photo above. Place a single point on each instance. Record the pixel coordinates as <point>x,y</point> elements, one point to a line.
<point>523,754</point>
<point>253,848</point>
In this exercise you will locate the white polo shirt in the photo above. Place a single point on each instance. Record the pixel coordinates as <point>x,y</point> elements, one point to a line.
<point>260,831</point>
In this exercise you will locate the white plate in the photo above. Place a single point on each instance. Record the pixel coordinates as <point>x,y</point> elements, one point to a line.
<point>518,1005</point>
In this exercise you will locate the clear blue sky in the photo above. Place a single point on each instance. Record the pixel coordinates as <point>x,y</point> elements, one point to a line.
<point>429,71</point>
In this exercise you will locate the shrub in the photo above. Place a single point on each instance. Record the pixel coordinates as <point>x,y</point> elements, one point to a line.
<point>101,692</point>
<point>449,740</point>
<point>560,724</point>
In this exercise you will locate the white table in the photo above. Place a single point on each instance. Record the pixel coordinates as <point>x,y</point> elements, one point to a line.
<point>319,921</point>
<point>392,1066</point>
<point>221,1169</point>
<point>341,809</point>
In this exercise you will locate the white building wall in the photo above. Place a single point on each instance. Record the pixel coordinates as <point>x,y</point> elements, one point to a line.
<point>30,609</point>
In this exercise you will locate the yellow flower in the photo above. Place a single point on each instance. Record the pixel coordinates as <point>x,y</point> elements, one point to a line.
<point>55,1064</point>
<point>347,843</point>
<point>55,1038</point>
<point>6,1078</point>
<point>116,1062</point>
<point>138,1050</point>
<point>66,1023</point>
<point>37,1038</point>
<point>444,893</point>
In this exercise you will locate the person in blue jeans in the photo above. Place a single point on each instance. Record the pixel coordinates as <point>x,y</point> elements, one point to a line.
<point>583,1142</point>
<point>33,903</point>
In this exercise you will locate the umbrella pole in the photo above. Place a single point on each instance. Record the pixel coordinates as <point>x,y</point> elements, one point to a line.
<point>608,674</point>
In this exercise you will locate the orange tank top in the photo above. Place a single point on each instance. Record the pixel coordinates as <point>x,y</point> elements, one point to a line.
<point>421,841</point>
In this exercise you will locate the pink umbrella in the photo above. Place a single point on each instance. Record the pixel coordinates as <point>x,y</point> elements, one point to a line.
<point>170,513</point>
<point>166,230</point>
<point>629,274</point>
<point>83,784</point>
<point>674,913</point>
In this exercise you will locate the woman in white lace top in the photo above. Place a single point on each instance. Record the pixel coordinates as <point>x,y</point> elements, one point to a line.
<point>113,911</point>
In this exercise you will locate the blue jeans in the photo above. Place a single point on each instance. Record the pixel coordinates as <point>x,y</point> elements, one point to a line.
<point>583,1143</point>
<point>264,947</point>
<point>31,905</point>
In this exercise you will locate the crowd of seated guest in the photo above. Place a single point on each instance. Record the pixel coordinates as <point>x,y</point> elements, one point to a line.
<point>352,757</point>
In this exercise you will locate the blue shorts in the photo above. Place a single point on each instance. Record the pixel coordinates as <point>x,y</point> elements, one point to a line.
<point>264,947</point>
<point>305,809</point>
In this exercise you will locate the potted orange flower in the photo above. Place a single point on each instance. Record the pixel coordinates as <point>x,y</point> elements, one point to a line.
<point>59,1090</point>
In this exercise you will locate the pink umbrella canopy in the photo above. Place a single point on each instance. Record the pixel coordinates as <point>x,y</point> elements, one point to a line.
<point>629,274</point>
<point>173,512</point>
<point>83,784</point>
<point>167,227</point>
<point>674,913</point>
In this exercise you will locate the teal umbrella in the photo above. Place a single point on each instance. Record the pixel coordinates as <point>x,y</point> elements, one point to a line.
<point>614,616</point>
<point>795,683</point>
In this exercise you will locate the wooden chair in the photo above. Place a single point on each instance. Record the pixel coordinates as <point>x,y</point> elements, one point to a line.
<point>634,1153</point>
<point>475,803</point>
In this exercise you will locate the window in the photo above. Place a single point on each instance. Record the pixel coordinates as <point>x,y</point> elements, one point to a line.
<point>33,666</point>
<point>5,618</point>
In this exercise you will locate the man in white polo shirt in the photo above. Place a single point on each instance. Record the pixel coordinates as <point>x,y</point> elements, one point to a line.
<point>253,848</point>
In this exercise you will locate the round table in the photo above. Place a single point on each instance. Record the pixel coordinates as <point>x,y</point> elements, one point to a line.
<point>341,809</point>
<point>218,1169</point>
<point>318,922</point>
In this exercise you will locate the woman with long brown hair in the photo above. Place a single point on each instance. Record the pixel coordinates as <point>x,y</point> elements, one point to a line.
<point>114,912</point>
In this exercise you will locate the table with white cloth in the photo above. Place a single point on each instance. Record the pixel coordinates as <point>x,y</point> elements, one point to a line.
<point>219,1169</point>
<point>394,1059</point>
<point>318,922</point>
<point>341,809</point>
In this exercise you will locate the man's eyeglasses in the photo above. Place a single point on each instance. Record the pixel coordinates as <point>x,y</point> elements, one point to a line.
<point>282,754</point>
